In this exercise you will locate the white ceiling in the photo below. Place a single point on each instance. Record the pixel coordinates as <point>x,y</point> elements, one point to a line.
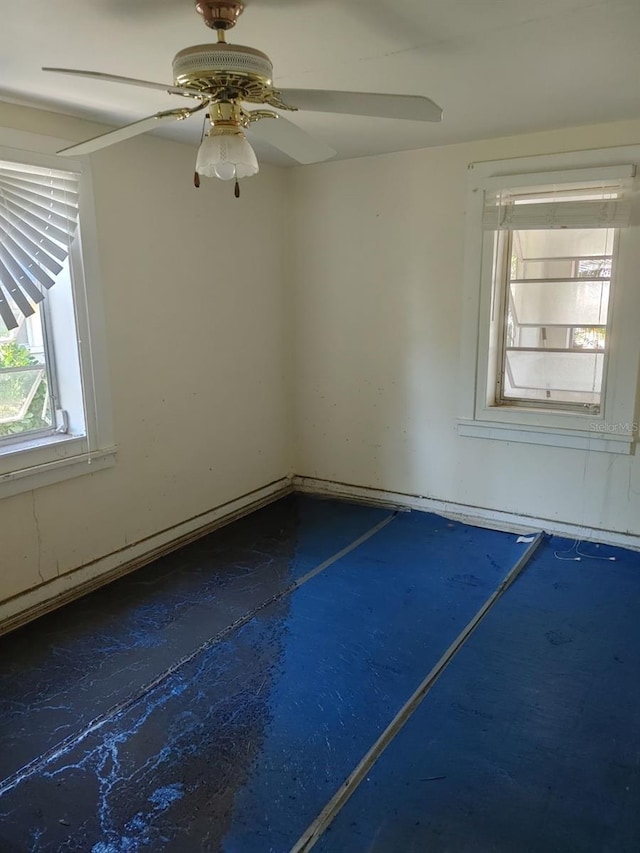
<point>496,67</point>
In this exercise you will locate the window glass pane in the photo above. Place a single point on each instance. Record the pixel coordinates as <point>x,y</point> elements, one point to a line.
<point>25,403</point>
<point>594,268</point>
<point>523,270</point>
<point>588,337</point>
<point>560,303</point>
<point>563,243</point>
<point>556,314</point>
<point>548,375</point>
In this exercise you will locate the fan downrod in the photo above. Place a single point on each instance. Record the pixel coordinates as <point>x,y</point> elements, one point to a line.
<point>220,15</point>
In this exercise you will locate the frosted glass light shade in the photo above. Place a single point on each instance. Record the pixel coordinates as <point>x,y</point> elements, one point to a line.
<point>226,155</point>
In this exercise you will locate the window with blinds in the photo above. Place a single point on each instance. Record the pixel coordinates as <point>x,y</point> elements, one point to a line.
<point>38,221</point>
<point>554,251</point>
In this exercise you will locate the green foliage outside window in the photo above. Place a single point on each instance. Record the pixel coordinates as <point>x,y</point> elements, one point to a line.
<point>12,391</point>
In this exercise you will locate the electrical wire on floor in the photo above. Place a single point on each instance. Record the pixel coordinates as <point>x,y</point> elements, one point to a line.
<point>577,554</point>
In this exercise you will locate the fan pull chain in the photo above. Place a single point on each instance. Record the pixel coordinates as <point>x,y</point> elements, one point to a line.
<point>236,190</point>
<point>196,176</point>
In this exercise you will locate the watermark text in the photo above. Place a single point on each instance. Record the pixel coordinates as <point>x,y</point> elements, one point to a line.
<point>620,428</point>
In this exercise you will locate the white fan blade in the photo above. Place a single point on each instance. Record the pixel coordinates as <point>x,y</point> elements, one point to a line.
<point>291,139</point>
<point>131,81</point>
<point>122,133</point>
<point>412,107</point>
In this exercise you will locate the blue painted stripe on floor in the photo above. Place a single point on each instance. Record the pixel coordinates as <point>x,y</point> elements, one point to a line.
<point>530,741</point>
<point>242,747</point>
<point>66,669</point>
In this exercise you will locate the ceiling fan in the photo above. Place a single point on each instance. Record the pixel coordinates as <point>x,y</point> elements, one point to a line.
<point>221,77</point>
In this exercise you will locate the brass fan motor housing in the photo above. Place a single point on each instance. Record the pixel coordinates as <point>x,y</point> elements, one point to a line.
<point>227,71</point>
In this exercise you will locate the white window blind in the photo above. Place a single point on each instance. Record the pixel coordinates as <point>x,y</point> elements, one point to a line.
<point>563,201</point>
<point>505,214</point>
<point>38,220</point>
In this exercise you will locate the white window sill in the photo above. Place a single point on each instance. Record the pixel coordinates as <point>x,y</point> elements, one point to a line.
<point>578,439</point>
<point>43,461</point>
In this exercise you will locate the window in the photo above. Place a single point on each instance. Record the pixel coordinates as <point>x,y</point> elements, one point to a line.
<point>550,257</point>
<point>54,412</point>
<point>38,220</point>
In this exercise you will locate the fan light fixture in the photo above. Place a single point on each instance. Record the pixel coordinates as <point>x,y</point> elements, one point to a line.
<point>221,78</point>
<point>225,153</point>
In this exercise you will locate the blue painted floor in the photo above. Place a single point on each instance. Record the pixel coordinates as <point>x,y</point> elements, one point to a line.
<point>215,700</point>
<point>530,741</point>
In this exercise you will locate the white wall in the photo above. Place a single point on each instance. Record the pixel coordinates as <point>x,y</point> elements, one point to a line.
<point>194,308</point>
<point>202,327</point>
<point>377,267</point>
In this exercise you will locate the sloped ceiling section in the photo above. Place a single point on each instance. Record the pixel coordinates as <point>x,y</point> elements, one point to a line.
<point>497,67</point>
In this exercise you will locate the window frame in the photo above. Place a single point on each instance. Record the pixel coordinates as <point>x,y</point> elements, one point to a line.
<point>615,428</point>
<point>40,460</point>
